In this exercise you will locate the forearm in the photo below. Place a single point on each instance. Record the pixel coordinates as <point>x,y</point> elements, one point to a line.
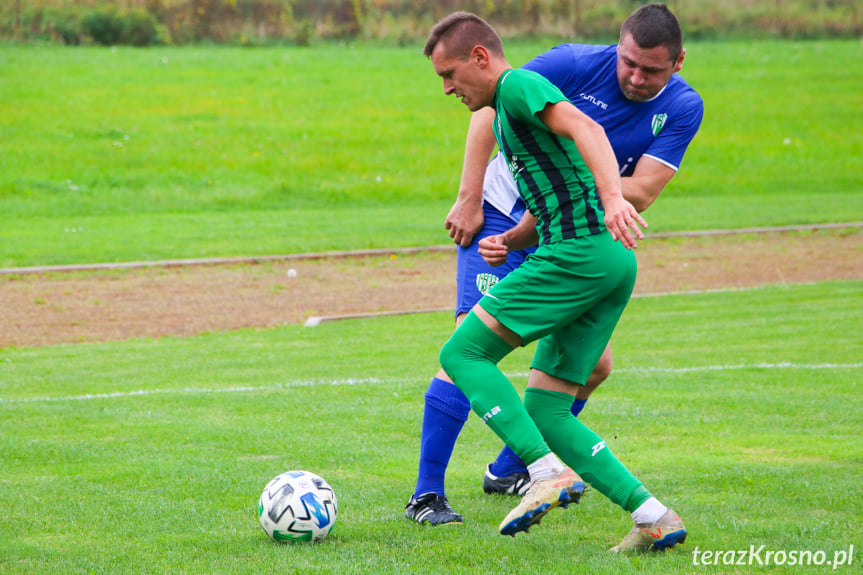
<point>478,148</point>
<point>636,194</point>
<point>596,151</point>
<point>523,235</point>
<point>646,183</point>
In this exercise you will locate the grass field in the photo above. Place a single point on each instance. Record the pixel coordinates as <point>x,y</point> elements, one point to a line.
<point>125,154</point>
<point>740,409</point>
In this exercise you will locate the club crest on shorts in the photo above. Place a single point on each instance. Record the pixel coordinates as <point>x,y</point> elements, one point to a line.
<point>484,282</point>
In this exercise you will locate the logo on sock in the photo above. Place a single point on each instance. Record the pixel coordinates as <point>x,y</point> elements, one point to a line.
<point>598,447</point>
<point>491,413</point>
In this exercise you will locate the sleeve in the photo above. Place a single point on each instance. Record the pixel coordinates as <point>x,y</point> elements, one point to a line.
<point>525,94</point>
<point>559,66</point>
<point>673,140</point>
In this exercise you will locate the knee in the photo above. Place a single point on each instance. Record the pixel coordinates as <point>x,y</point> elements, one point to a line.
<point>444,396</point>
<point>449,357</point>
<point>535,409</point>
<point>549,411</point>
<point>601,371</point>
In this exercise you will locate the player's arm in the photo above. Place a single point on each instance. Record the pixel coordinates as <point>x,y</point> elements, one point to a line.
<point>621,218</point>
<point>495,249</point>
<point>465,218</point>
<point>646,182</point>
<point>651,174</point>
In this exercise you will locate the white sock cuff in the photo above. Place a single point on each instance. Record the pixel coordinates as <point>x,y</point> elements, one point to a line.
<point>545,467</point>
<point>649,512</point>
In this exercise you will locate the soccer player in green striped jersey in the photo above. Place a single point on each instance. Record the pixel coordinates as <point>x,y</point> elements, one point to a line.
<point>568,295</point>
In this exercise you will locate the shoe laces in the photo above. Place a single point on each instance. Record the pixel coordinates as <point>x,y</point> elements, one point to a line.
<point>440,504</point>
<point>433,501</point>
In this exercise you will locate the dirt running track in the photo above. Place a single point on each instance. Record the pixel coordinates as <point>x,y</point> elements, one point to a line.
<point>88,306</point>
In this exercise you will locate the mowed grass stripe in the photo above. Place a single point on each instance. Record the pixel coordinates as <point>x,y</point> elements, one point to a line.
<point>375,381</point>
<point>169,482</point>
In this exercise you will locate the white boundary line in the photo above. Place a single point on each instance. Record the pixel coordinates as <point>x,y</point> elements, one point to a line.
<point>317,320</point>
<point>783,365</point>
<point>761,230</point>
<point>386,251</point>
<point>374,380</point>
<point>226,261</point>
<point>196,390</point>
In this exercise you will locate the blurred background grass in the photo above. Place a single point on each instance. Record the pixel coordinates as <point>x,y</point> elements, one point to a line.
<point>118,154</point>
<point>400,22</point>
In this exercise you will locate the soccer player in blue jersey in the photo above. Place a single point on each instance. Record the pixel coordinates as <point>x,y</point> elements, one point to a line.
<point>650,115</point>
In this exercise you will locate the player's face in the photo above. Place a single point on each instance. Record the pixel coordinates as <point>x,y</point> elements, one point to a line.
<point>643,72</point>
<point>462,78</point>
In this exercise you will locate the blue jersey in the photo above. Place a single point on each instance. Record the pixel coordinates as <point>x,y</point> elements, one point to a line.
<point>660,128</point>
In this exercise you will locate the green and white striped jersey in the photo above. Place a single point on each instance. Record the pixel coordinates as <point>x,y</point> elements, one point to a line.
<point>551,175</point>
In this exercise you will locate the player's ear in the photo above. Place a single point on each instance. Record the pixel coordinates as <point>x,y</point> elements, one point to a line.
<point>679,64</point>
<point>480,55</point>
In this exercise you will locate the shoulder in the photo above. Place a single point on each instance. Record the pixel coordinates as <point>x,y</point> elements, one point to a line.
<point>520,75</point>
<point>527,75</point>
<point>574,51</point>
<point>520,79</point>
<point>681,93</point>
<point>565,56</point>
<point>523,93</point>
<point>679,108</point>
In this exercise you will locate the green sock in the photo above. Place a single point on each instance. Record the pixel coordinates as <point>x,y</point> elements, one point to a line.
<point>470,358</point>
<point>582,449</point>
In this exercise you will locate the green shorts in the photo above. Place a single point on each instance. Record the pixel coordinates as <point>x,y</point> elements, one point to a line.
<point>568,295</point>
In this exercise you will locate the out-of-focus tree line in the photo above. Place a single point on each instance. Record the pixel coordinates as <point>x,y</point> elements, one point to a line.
<point>302,22</point>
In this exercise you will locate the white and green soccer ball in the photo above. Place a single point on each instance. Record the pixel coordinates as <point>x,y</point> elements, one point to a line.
<point>298,506</point>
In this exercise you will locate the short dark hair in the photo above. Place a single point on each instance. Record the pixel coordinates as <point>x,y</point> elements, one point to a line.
<point>655,25</point>
<point>463,31</point>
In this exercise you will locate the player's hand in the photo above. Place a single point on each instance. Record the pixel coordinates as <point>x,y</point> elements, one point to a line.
<point>464,222</point>
<point>493,250</point>
<point>622,221</point>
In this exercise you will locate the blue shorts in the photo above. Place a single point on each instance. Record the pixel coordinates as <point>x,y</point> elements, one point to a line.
<point>475,277</point>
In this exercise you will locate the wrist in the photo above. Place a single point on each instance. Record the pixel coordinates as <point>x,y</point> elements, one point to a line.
<point>469,197</point>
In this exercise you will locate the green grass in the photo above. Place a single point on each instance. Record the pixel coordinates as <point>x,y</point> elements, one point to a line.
<point>740,409</point>
<point>125,154</point>
<point>147,456</point>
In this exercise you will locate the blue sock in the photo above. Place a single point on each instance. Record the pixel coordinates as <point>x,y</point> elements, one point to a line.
<point>446,410</point>
<point>577,406</point>
<point>508,462</point>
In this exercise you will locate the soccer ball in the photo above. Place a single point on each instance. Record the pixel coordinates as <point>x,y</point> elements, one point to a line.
<point>297,506</point>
